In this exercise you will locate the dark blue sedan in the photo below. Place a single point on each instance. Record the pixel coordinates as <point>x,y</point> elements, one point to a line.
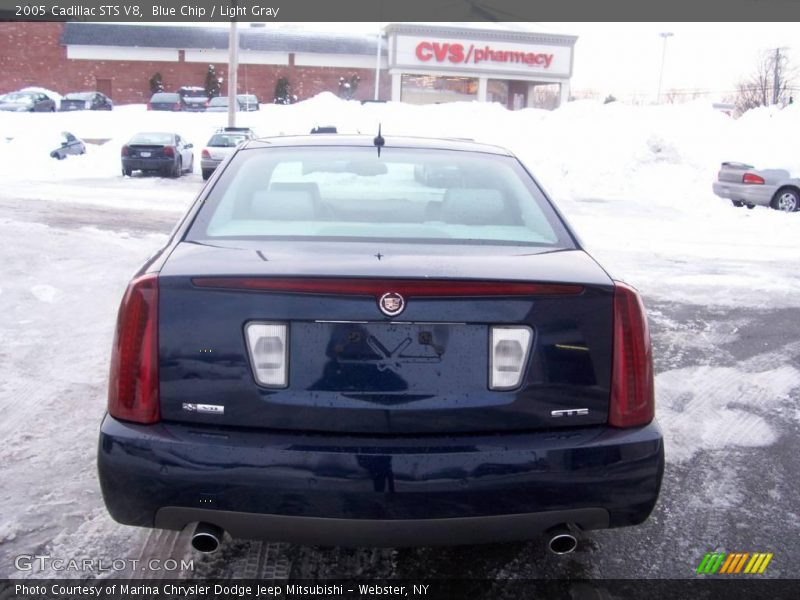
<point>393,342</point>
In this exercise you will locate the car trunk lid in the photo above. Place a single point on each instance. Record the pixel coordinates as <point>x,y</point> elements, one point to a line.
<point>73,104</point>
<point>352,368</point>
<point>732,172</point>
<point>146,150</point>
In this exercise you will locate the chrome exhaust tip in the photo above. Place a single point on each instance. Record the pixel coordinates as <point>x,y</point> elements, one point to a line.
<point>207,538</point>
<point>561,540</point>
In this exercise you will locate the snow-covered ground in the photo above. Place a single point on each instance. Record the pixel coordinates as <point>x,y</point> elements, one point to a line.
<point>634,181</point>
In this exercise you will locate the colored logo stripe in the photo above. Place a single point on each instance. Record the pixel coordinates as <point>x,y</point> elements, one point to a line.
<point>758,563</point>
<point>734,563</point>
<point>711,562</point>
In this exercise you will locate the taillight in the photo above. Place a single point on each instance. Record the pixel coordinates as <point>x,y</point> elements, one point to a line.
<point>752,178</point>
<point>133,380</point>
<point>508,356</point>
<point>205,153</point>
<point>632,390</point>
<point>269,353</point>
<point>169,151</point>
<point>125,150</point>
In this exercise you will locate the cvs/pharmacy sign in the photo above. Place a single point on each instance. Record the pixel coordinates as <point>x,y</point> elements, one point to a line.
<point>457,53</point>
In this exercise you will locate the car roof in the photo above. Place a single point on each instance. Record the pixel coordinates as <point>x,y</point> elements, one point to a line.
<point>337,139</point>
<point>143,133</point>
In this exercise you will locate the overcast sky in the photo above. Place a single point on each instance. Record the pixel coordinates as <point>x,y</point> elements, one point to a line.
<point>625,58</point>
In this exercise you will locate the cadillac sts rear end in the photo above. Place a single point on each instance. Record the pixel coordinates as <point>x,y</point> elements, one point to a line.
<point>379,342</point>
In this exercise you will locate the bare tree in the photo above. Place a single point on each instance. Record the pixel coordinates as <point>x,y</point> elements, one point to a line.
<point>546,96</point>
<point>769,84</point>
<point>674,96</point>
<point>584,94</point>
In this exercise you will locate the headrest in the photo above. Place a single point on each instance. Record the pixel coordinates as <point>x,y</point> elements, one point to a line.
<point>473,206</point>
<point>280,205</point>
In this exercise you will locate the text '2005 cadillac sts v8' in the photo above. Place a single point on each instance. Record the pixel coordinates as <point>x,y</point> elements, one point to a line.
<point>383,342</point>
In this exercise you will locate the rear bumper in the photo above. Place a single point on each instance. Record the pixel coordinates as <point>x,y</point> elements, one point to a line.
<point>209,164</point>
<point>146,164</point>
<point>749,194</point>
<point>378,491</point>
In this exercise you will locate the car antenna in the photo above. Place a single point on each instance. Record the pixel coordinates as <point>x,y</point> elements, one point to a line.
<point>378,140</point>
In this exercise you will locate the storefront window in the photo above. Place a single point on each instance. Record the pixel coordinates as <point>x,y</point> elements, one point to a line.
<point>431,89</point>
<point>497,91</point>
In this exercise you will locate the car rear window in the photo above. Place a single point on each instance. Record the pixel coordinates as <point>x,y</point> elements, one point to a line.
<point>225,141</point>
<point>165,97</point>
<point>350,193</point>
<point>218,101</point>
<point>152,138</point>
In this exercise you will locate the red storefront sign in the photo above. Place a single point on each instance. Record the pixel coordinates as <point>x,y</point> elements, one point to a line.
<point>460,54</point>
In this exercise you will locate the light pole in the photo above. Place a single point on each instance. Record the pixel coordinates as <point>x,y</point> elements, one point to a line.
<point>664,35</point>
<point>233,67</point>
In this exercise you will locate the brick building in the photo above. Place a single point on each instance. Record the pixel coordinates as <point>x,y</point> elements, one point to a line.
<point>119,60</point>
<point>419,63</point>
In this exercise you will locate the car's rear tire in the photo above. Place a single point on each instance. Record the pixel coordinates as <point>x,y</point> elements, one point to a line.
<point>206,174</point>
<point>786,200</point>
<point>737,203</point>
<point>177,170</point>
<point>127,171</point>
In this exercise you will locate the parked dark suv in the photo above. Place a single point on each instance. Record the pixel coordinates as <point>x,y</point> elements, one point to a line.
<point>193,98</point>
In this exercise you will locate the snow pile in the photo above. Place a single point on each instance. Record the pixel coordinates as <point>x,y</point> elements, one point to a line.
<point>634,180</point>
<point>585,149</point>
<point>697,408</point>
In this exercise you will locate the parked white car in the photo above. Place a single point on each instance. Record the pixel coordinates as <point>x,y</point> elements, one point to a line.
<point>221,146</point>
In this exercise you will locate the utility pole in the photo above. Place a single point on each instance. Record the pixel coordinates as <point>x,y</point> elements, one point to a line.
<point>775,79</point>
<point>233,67</point>
<point>664,35</point>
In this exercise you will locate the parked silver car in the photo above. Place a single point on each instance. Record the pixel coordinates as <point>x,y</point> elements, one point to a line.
<point>27,102</point>
<point>744,185</point>
<point>221,146</point>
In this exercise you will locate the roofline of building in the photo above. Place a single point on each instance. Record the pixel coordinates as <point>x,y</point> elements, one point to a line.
<point>203,38</point>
